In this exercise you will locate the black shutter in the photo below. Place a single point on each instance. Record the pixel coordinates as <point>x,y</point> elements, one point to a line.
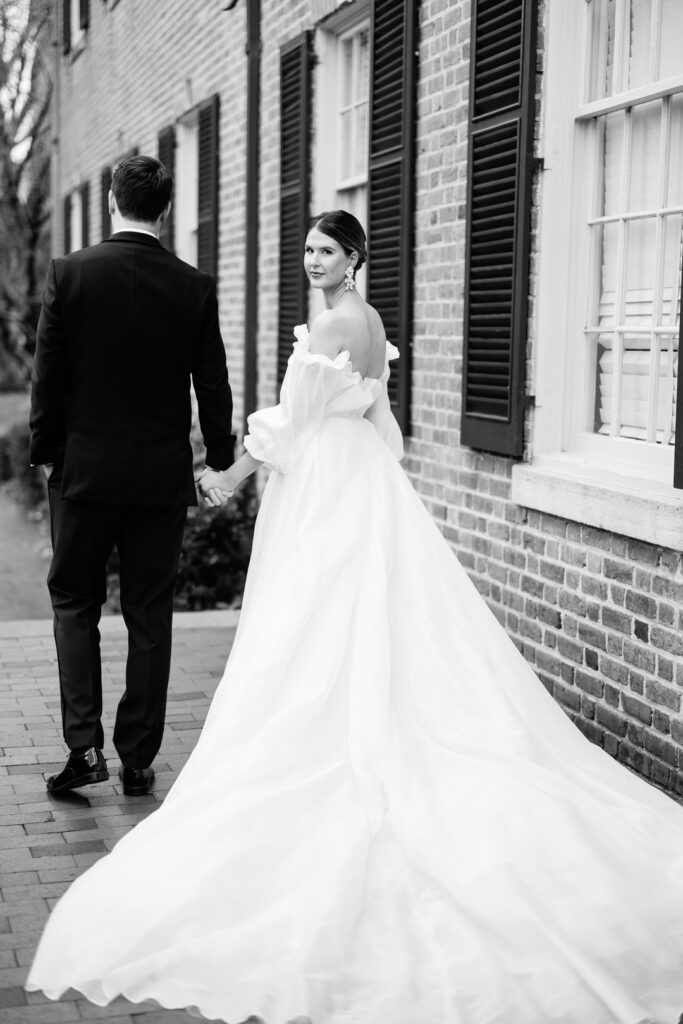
<point>295,97</point>
<point>105,186</point>
<point>84,14</point>
<point>85,214</point>
<point>678,450</point>
<point>66,25</point>
<point>391,184</point>
<point>166,153</point>
<point>207,187</point>
<point>67,224</point>
<point>501,137</point>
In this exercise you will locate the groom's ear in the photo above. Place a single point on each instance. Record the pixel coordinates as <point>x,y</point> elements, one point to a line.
<point>163,216</point>
<point>111,203</point>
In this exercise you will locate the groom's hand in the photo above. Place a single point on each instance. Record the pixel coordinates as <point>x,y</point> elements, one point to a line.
<point>213,487</point>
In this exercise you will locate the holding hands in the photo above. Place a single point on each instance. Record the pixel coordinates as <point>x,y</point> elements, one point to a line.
<point>215,487</point>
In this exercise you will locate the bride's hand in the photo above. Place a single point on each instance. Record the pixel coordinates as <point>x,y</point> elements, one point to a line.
<point>215,487</point>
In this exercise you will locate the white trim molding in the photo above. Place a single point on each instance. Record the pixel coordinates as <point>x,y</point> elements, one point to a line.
<point>573,488</point>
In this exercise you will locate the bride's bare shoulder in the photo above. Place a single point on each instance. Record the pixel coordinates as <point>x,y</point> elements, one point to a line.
<point>331,330</point>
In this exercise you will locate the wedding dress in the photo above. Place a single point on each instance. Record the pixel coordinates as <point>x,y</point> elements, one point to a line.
<point>386,819</point>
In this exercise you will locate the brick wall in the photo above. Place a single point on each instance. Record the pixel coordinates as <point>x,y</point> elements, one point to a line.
<point>596,614</point>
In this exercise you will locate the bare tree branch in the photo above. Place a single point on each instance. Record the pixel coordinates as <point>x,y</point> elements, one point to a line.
<point>25,97</point>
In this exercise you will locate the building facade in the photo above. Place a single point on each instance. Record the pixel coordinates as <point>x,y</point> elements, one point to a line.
<point>519,167</point>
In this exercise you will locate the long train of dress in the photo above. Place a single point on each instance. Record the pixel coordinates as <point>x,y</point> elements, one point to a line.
<point>387,819</point>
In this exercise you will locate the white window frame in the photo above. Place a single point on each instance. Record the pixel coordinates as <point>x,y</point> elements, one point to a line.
<point>328,187</point>
<point>76,219</point>
<point>77,33</point>
<point>612,483</point>
<point>186,187</point>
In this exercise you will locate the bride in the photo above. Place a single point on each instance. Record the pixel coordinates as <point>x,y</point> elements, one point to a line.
<point>386,819</point>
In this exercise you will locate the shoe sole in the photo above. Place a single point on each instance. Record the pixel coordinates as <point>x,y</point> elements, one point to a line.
<point>84,780</point>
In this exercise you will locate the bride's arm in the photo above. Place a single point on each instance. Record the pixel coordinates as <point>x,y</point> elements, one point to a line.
<point>217,487</point>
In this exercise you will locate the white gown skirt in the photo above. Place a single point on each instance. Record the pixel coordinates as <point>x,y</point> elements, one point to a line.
<point>387,819</point>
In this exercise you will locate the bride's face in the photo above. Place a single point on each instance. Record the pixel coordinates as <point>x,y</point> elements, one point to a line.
<point>325,261</point>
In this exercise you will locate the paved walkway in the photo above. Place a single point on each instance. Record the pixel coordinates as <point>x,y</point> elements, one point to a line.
<point>46,842</point>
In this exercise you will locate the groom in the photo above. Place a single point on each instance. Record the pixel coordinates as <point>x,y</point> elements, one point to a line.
<point>125,327</point>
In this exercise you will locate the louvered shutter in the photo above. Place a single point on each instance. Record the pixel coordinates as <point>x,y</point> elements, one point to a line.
<point>84,14</point>
<point>207,187</point>
<point>66,25</point>
<point>678,451</point>
<point>66,214</point>
<point>85,214</point>
<point>295,92</point>
<point>105,185</point>
<point>391,184</point>
<point>166,151</point>
<point>502,83</point>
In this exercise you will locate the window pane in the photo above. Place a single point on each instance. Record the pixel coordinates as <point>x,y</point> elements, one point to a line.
<point>602,49</point>
<point>645,129</point>
<point>347,72</point>
<point>613,163</point>
<point>363,73</point>
<point>603,398</point>
<point>671,275</point>
<point>639,272</point>
<point>675,174</point>
<point>635,388</point>
<point>638,43</point>
<point>621,43</point>
<point>361,139</point>
<point>671,36</point>
<point>347,143</point>
<point>353,102</point>
<point>609,240</point>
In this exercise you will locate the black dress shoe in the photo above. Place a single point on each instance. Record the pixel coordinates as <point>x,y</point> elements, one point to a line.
<point>136,781</point>
<point>83,768</point>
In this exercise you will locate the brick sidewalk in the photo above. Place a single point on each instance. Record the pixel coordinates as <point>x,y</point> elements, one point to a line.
<point>46,842</point>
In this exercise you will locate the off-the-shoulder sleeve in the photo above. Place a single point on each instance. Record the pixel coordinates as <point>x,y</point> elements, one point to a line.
<point>380,414</point>
<point>279,434</point>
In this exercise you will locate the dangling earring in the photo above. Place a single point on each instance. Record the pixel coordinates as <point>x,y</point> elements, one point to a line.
<point>350,282</point>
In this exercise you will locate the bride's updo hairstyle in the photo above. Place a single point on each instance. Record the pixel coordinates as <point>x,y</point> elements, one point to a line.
<point>346,230</point>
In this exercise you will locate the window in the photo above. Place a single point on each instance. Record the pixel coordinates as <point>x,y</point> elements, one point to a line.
<point>185,188</point>
<point>75,21</point>
<point>636,223</point>
<point>343,87</point>
<point>352,113</point>
<point>76,215</point>
<point>609,270</point>
<point>363,156</point>
<point>190,151</point>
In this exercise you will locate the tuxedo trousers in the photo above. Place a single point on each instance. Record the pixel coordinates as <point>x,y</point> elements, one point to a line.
<point>148,539</point>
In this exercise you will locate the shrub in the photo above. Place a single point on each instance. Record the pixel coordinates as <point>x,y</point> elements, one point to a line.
<point>27,483</point>
<point>216,552</point>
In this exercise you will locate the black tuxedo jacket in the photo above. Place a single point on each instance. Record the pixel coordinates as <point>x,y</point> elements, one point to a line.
<point>123,328</point>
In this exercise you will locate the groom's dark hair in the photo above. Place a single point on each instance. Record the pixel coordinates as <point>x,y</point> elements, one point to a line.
<point>142,187</point>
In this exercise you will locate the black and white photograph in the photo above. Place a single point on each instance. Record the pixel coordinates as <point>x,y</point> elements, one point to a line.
<point>341,511</point>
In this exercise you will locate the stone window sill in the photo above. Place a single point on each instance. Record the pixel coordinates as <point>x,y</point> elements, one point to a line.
<point>571,487</point>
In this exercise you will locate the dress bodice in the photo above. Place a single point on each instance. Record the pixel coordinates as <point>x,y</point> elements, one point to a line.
<point>315,388</point>
<point>350,393</point>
